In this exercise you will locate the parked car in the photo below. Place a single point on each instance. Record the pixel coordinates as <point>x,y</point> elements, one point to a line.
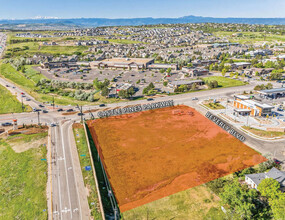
<point>27,99</point>
<point>6,124</point>
<point>277,161</point>
<point>69,110</point>
<point>45,111</point>
<point>40,105</point>
<point>60,110</point>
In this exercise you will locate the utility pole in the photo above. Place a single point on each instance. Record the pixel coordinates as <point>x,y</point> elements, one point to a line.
<point>53,102</point>
<point>39,118</point>
<point>23,107</point>
<point>81,113</point>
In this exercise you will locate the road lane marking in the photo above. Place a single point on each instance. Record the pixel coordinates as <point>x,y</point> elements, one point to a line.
<point>63,147</point>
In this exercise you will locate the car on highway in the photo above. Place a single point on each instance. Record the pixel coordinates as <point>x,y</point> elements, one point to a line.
<point>69,110</point>
<point>7,86</point>
<point>102,105</point>
<point>195,98</point>
<point>52,124</point>
<point>36,110</point>
<point>79,114</point>
<point>27,99</point>
<point>41,106</point>
<point>150,99</point>
<point>60,110</point>
<point>45,111</point>
<point>6,124</point>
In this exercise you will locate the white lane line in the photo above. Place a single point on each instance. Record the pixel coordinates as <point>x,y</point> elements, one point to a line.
<point>65,169</point>
<point>58,182</point>
<point>68,132</point>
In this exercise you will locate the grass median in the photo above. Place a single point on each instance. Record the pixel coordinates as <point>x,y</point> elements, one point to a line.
<point>88,177</point>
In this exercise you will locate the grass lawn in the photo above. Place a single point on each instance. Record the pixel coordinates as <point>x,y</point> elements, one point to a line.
<point>262,133</point>
<point>23,179</point>
<point>88,177</point>
<point>8,72</point>
<point>214,106</point>
<point>225,82</point>
<point>195,203</point>
<point>9,103</point>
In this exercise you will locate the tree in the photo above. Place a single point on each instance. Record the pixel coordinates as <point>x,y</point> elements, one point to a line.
<point>105,91</point>
<point>165,83</point>
<point>243,203</point>
<point>168,70</point>
<point>278,206</point>
<point>269,188</point>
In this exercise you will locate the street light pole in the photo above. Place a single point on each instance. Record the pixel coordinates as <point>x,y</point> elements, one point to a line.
<point>38,118</point>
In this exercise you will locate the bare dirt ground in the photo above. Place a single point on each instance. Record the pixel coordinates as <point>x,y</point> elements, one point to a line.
<point>152,154</point>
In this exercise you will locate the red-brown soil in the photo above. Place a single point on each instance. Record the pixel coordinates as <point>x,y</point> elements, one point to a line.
<point>152,154</point>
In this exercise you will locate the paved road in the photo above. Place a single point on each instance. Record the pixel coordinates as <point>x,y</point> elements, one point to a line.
<point>65,193</point>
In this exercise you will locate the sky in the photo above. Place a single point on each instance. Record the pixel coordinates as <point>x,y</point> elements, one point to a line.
<point>21,9</point>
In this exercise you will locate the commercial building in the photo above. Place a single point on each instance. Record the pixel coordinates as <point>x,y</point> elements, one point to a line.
<point>245,106</point>
<point>165,66</point>
<point>122,63</point>
<point>192,72</point>
<point>272,93</point>
<point>189,83</point>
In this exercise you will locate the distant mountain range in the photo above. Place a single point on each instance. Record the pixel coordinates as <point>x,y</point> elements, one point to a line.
<point>96,22</point>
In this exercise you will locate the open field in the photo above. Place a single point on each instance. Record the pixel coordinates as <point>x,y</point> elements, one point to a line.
<point>225,82</point>
<point>9,103</point>
<point>136,150</point>
<point>195,203</point>
<point>88,177</point>
<point>35,48</point>
<point>23,178</point>
<point>251,37</point>
<point>262,133</point>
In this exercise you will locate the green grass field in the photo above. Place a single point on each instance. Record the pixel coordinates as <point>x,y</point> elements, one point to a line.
<point>88,177</point>
<point>251,37</point>
<point>9,103</point>
<point>23,180</point>
<point>196,203</point>
<point>35,48</point>
<point>225,82</point>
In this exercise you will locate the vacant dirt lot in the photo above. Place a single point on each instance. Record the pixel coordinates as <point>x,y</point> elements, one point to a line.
<point>153,154</point>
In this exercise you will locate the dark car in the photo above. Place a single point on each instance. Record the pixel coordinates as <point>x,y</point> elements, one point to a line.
<point>150,99</point>
<point>277,161</point>
<point>60,110</point>
<point>79,114</point>
<point>6,124</point>
<point>45,111</point>
<point>41,106</point>
<point>69,110</point>
<point>102,105</point>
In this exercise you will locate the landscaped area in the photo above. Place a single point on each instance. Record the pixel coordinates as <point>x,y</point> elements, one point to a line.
<point>27,81</point>
<point>263,133</point>
<point>214,106</point>
<point>178,139</point>
<point>23,177</point>
<point>224,81</point>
